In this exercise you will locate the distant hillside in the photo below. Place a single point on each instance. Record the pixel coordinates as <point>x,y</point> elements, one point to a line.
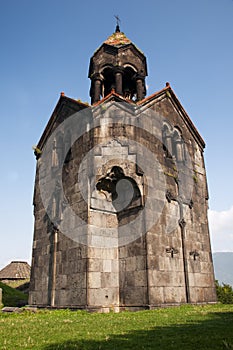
<point>12,297</point>
<point>223,267</point>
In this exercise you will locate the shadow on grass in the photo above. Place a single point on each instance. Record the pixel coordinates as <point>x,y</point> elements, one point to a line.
<point>215,333</point>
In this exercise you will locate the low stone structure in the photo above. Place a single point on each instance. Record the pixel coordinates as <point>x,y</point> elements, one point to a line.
<point>16,271</point>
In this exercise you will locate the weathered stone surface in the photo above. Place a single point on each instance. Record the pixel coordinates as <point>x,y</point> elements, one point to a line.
<point>11,309</point>
<point>107,261</point>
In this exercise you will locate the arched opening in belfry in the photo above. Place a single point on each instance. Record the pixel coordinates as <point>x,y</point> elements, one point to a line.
<point>122,80</point>
<point>129,83</point>
<point>108,81</point>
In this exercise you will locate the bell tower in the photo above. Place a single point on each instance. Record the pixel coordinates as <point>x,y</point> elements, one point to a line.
<point>121,196</point>
<point>120,66</point>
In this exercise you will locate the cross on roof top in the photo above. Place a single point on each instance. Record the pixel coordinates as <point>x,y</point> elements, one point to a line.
<point>118,23</point>
<point>118,19</point>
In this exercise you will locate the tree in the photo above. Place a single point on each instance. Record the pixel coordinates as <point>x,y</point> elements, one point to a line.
<point>224,293</point>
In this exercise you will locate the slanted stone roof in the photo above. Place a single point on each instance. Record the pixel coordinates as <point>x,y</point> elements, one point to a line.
<point>16,270</point>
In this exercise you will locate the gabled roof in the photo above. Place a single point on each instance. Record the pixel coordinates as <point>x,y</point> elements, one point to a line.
<point>113,96</point>
<point>77,105</point>
<point>16,270</point>
<point>166,92</point>
<point>170,94</point>
<point>74,105</point>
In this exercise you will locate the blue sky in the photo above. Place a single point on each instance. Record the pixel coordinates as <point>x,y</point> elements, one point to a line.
<point>45,49</point>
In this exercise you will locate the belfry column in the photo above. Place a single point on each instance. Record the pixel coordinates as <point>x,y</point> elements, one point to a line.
<point>96,88</point>
<point>140,87</point>
<point>118,79</point>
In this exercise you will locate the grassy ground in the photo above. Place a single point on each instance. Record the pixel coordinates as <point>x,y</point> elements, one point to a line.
<point>186,327</point>
<point>12,297</point>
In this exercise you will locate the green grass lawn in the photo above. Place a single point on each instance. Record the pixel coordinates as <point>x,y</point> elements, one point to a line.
<point>186,327</point>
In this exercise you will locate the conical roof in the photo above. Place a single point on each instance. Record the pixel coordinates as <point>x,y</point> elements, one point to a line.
<point>118,39</point>
<point>16,270</point>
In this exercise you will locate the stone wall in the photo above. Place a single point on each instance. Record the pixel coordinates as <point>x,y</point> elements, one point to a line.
<point>169,263</point>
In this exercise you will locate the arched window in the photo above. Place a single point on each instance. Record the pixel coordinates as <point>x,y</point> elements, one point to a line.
<point>167,140</point>
<point>178,146</point>
<point>173,143</point>
<point>57,151</point>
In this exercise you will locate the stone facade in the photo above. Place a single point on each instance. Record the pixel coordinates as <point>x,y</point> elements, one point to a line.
<point>134,176</point>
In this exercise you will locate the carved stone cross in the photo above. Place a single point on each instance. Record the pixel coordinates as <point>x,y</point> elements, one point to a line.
<point>170,197</point>
<point>182,223</point>
<point>172,251</point>
<point>195,254</point>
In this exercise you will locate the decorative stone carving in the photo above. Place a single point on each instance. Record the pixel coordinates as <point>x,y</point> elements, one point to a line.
<point>194,254</point>
<point>122,190</point>
<point>172,251</point>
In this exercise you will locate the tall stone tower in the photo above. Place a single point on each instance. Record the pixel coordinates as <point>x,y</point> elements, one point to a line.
<point>121,196</point>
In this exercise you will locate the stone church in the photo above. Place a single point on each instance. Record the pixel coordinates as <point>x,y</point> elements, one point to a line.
<point>121,197</point>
